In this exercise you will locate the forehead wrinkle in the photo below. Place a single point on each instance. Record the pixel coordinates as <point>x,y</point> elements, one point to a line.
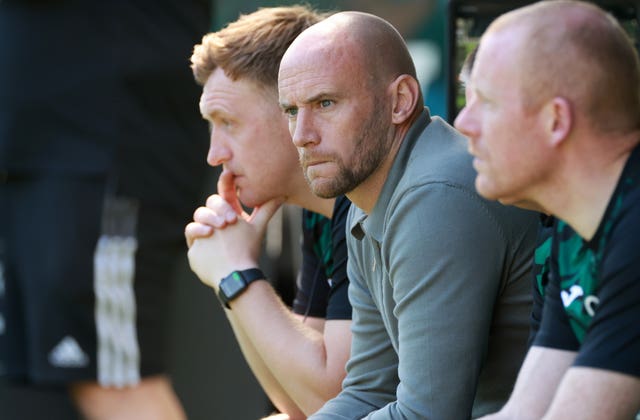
<point>314,67</point>
<point>221,94</point>
<point>313,87</point>
<point>302,81</point>
<point>212,103</point>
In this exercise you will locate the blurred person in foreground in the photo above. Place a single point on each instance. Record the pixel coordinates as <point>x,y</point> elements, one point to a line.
<point>100,160</point>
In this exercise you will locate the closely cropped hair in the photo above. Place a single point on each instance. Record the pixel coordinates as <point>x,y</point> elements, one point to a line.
<point>467,66</point>
<point>252,46</point>
<point>576,50</point>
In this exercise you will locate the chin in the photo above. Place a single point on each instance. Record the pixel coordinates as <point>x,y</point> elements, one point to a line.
<point>250,200</point>
<point>324,194</point>
<point>523,204</point>
<point>324,189</point>
<point>485,192</point>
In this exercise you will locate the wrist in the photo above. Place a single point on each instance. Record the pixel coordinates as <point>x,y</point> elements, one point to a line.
<point>224,270</point>
<point>236,282</point>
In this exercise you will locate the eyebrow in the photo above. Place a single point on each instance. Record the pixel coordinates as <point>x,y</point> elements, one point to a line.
<point>479,92</point>
<point>213,114</point>
<point>315,98</point>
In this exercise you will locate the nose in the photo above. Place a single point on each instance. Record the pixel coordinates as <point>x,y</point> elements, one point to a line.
<point>459,122</point>
<point>465,123</point>
<point>303,130</point>
<point>219,152</point>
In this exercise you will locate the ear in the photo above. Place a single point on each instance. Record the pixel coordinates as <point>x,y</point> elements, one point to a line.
<point>558,114</point>
<point>405,92</point>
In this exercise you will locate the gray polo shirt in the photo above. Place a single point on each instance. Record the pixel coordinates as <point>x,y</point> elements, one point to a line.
<point>440,288</point>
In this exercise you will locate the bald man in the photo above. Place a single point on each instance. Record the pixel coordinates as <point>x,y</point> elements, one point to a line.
<point>439,276</point>
<point>554,122</point>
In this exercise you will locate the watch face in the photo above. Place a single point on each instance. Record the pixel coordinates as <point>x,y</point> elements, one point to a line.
<point>232,285</point>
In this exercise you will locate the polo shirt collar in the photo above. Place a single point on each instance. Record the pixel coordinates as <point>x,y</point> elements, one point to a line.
<point>374,223</point>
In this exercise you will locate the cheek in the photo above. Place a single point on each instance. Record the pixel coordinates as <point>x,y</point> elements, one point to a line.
<point>516,163</point>
<point>499,137</point>
<point>504,155</point>
<point>281,148</point>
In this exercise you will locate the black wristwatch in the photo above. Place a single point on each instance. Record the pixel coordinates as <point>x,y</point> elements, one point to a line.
<point>235,283</point>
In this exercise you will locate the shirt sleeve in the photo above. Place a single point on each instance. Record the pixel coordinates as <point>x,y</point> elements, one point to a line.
<point>338,306</point>
<point>540,271</point>
<point>612,341</point>
<point>312,287</point>
<point>555,330</point>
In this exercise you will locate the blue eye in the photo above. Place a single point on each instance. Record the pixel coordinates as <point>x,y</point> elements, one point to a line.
<point>325,103</point>
<point>291,111</point>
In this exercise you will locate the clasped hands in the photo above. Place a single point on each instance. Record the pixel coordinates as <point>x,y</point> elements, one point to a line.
<point>223,237</point>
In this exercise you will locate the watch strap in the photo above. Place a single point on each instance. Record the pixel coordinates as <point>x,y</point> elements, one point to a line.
<point>241,279</point>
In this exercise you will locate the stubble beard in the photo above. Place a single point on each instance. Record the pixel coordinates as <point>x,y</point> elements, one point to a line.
<point>369,152</point>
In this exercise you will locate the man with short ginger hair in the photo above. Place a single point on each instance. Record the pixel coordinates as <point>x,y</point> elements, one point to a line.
<point>298,355</point>
<point>554,123</point>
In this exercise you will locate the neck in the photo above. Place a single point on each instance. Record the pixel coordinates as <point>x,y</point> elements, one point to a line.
<point>585,190</point>
<point>311,202</point>
<point>365,196</point>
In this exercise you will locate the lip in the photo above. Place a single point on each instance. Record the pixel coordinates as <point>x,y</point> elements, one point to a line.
<point>478,163</point>
<point>470,149</point>
<point>232,172</point>
<point>227,170</point>
<point>237,178</point>
<point>309,161</point>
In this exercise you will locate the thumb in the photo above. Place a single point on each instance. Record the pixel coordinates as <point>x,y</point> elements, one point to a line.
<point>227,190</point>
<point>264,212</point>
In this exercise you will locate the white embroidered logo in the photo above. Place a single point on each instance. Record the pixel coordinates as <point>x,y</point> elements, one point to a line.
<point>590,304</point>
<point>68,354</point>
<point>574,293</point>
